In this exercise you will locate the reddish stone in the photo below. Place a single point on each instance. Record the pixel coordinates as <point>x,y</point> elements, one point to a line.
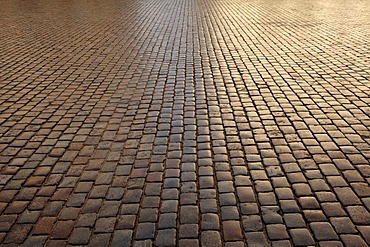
<point>63,229</point>
<point>232,230</point>
<point>44,225</point>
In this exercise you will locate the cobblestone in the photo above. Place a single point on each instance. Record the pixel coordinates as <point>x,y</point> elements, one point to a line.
<point>166,238</point>
<point>323,231</point>
<point>210,238</point>
<point>80,236</point>
<point>122,238</point>
<point>184,123</point>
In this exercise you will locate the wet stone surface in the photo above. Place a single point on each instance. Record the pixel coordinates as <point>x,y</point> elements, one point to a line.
<point>184,123</point>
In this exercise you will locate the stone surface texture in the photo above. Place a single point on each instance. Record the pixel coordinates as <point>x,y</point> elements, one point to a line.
<point>184,123</point>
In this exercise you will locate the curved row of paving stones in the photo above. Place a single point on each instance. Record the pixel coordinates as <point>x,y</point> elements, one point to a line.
<point>212,122</point>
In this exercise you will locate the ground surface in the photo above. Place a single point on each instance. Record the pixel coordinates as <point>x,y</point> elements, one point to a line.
<point>185,122</point>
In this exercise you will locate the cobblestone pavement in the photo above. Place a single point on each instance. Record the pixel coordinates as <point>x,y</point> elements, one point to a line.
<point>185,122</point>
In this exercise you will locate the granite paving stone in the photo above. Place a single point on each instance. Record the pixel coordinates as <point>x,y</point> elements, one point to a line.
<point>323,231</point>
<point>256,239</point>
<point>232,231</point>
<point>122,238</point>
<point>80,236</point>
<point>166,237</point>
<point>302,237</point>
<point>210,238</point>
<point>353,240</point>
<point>184,123</point>
<point>100,239</point>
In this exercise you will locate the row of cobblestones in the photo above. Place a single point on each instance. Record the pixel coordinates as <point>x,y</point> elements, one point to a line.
<point>184,123</point>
